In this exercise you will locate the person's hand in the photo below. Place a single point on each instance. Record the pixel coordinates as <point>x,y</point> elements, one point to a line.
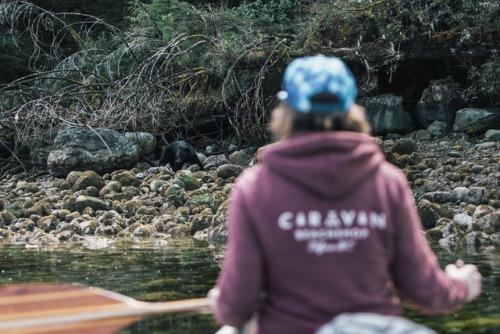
<point>467,273</point>
<point>213,294</point>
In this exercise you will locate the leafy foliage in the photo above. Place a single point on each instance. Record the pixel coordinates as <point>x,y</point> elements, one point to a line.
<point>170,17</point>
<point>271,12</point>
<point>485,81</point>
<point>177,65</point>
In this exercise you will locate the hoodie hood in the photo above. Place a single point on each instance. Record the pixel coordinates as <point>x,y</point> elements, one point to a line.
<point>330,164</point>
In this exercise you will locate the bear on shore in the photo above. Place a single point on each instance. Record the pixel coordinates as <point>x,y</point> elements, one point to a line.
<point>177,154</point>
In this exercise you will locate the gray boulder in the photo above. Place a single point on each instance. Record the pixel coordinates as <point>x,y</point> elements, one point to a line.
<point>404,146</point>
<point>439,102</point>
<point>438,128</point>
<point>95,203</point>
<point>89,179</point>
<point>474,120</point>
<point>240,158</point>
<point>101,150</point>
<point>215,161</point>
<point>145,141</point>
<point>493,135</point>
<point>228,170</point>
<point>386,114</point>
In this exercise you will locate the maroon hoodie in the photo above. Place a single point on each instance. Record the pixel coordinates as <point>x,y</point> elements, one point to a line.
<point>323,225</point>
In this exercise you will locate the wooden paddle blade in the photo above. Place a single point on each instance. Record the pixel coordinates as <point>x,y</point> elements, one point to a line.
<point>76,309</point>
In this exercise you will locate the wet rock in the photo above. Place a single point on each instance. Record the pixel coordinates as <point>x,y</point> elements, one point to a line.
<point>185,180</point>
<point>197,209</point>
<point>386,114</point>
<point>218,229</point>
<point>48,223</point>
<point>144,141</point>
<point>94,203</point>
<point>143,231</point>
<point>199,199</point>
<point>101,150</point>
<point>112,217</point>
<point>158,185</point>
<point>125,178</point>
<point>240,158</point>
<point>130,207</point>
<point>88,226</point>
<point>128,192</point>
<point>176,195</point>
<point>31,188</point>
<point>477,195</point>
<point>474,120</point>
<point>460,194</point>
<point>438,197</point>
<point>423,135</point>
<point>476,241</point>
<point>463,220</point>
<point>69,203</point>
<point>88,179</point>
<point>215,161</point>
<point>438,128</point>
<point>112,187</point>
<point>43,240</point>
<point>5,233</point>
<point>201,221</point>
<point>6,219</point>
<point>73,176</point>
<point>439,102</point>
<point>64,235</point>
<point>92,191</point>
<point>211,150</point>
<point>488,224</point>
<point>227,171</point>
<point>108,230</point>
<point>482,210</point>
<point>431,212</point>
<point>218,198</point>
<point>405,146</point>
<point>179,230</point>
<point>492,135</point>
<point>182,214</point>
<point>23,225</point>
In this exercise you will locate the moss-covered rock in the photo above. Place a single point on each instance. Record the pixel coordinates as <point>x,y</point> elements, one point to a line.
<point>87,179</point>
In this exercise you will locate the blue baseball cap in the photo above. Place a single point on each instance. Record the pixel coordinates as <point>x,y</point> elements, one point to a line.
<point>307,76</point>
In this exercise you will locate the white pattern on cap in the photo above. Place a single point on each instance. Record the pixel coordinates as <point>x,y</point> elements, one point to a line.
<point>307,76</point>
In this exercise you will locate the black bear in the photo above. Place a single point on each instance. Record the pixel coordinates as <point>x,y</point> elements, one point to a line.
<point>177,153</point>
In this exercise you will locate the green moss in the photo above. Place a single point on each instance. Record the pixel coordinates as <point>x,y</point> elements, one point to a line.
<point>175,189</point>
<point>202,199</point>
<point>14,209</point>
<point>187,182</point>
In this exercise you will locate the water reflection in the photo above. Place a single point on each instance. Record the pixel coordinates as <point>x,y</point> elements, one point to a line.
<point>179,270</point>
<point>479,316</point>
<point>184,269</point>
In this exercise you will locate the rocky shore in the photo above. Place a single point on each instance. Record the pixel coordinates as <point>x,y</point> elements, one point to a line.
<point>455,180</point>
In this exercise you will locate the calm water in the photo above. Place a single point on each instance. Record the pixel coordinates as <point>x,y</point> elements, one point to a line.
<point>183,269</point>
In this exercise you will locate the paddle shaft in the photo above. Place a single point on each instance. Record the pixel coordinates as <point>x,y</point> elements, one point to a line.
<point>46,308</point>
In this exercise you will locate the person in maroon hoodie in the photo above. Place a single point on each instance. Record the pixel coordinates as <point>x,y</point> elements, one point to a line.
<point>323,225</point>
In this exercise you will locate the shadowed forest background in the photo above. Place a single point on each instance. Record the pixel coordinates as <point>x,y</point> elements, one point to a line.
<point>203,71</point>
